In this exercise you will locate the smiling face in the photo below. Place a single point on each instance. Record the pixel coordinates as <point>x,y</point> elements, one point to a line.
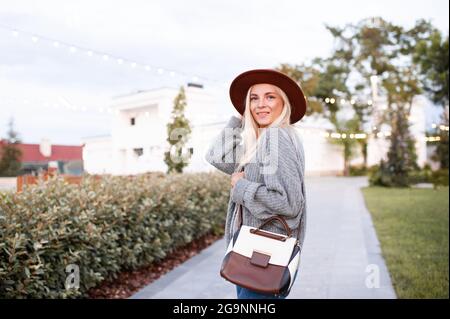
<point>265,104</point>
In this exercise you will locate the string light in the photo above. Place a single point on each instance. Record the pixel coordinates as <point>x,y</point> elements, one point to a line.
<point>351,101</point>
<point>432,138</point>
<point>441,127</point>
<point>134,64</point>
<point>65,104</point>
<point>106,57</point>
<point>335,135</point>
<point>74,48</point>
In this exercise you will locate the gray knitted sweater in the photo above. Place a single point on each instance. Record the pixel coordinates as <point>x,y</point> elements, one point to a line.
<point>273,182</point>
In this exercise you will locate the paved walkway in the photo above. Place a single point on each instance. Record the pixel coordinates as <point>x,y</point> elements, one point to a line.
<point>341,252</point>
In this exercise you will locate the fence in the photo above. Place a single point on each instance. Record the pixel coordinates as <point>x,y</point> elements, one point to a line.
<point>31,179</point>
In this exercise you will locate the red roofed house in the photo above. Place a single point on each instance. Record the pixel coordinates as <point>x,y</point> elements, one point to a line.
<point>35,157</point>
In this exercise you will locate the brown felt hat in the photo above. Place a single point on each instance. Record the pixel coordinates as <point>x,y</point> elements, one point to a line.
<point>240,85</point>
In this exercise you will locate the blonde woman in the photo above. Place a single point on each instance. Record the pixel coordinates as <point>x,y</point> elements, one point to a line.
<point>262,152</point>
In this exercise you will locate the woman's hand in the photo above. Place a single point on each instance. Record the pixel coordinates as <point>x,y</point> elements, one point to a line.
<point>235,177</point>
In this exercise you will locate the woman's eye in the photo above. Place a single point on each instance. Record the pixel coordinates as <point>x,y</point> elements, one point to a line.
<point>271,97</point>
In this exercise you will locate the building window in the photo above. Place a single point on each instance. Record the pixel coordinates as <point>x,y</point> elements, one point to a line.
<point>138,151</point>
<point>132,121</point>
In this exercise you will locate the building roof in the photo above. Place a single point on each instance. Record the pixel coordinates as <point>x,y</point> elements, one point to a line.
<point>31,153</point>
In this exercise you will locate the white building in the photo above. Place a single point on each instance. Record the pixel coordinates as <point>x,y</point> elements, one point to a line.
<point>138,137</point>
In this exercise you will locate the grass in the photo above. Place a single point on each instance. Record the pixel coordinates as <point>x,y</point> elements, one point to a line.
<point>412,227</point>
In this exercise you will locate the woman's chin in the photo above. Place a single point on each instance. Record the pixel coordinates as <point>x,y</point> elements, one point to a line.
<point>263,123</point>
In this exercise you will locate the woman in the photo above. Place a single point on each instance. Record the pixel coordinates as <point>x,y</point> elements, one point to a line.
<point>271,157</point>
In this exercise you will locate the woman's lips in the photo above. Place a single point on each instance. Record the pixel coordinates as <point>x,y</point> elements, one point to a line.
<point>263,114</point>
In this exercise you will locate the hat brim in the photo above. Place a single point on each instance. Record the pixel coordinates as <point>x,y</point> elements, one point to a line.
<point>240,85</point>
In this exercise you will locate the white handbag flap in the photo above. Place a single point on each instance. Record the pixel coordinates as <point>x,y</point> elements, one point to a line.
<point>279,251</point>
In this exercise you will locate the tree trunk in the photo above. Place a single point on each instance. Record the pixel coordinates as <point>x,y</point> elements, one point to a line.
<point>346,168</point>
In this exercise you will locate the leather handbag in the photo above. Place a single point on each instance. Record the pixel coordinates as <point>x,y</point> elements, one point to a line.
<point>262,261</point>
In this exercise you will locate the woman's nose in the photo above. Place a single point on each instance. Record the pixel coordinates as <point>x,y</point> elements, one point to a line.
<point>261,103</point>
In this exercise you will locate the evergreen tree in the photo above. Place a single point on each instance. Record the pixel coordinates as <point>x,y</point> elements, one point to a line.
<point>178,131</point>
<point>10,154</point>
<point>402,157</point>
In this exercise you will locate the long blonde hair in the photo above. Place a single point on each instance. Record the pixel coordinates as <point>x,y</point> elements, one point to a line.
<point>251,132</point>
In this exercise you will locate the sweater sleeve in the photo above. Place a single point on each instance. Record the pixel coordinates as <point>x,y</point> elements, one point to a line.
<point>224,152</point>
<point>281,192</point>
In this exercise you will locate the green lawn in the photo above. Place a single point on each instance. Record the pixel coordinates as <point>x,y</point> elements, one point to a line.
<point>412,227</point>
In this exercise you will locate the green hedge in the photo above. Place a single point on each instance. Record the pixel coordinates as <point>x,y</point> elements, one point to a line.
<point>103,227</point>
<point>440,177</point>
<point>380,176</point>
<point>357,170</point>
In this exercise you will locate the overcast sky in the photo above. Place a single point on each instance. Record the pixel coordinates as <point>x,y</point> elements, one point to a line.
<point>211,40</point>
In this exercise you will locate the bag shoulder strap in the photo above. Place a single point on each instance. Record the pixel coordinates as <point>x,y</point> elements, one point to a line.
<point>270,219</point>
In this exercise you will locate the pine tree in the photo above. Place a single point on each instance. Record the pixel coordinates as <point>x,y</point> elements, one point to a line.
<point>402,158</point>
<point>178,131</point>
<point>10,154</point>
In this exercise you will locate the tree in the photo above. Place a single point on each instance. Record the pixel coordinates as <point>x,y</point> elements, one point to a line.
<point>325,78</point>
<point>371,48</point>
<point>383,50</point>
<point>441,152</point>
<point>308,77</point>
<point>178,131</point>
<point>10,154</point>
<point>432,55</point>
<point>401,158</point>
<point>347,127</point>
<point>363,112</point>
